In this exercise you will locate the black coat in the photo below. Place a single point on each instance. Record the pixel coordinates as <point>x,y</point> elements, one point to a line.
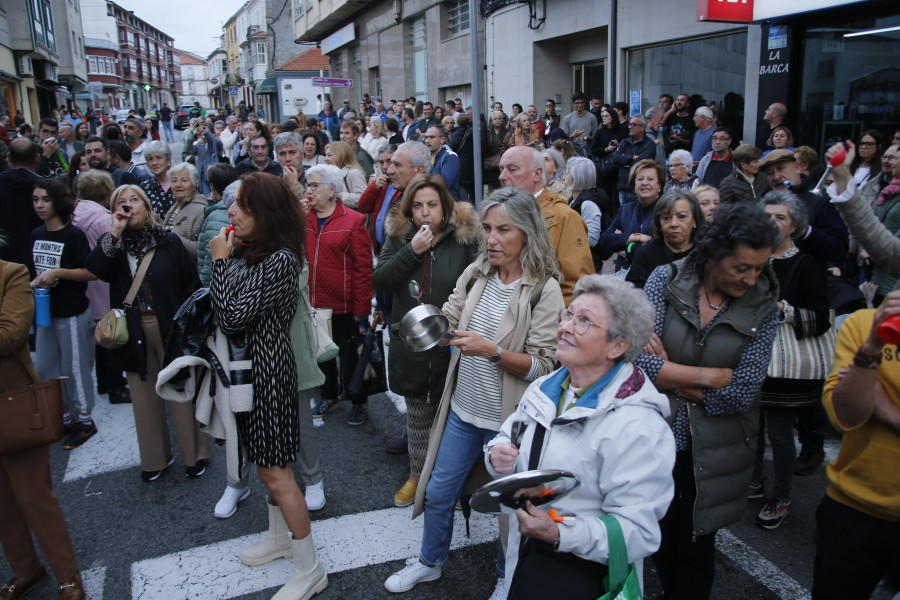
<point>17,216</point>
<point>171,278</point>
<point>461,142</point>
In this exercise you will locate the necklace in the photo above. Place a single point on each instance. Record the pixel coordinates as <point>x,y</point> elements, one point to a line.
<point>709,299</point>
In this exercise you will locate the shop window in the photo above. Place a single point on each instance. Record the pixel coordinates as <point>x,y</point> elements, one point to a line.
<point>457,16</point>
<point>851,82</point>
<point>711,67</point>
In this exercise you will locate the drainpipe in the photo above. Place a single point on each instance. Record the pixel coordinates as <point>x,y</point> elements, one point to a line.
<point>476,97</point>
<point>612,52</point>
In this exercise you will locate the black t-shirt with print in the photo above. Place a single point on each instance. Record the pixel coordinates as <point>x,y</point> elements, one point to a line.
<point>66,248</point>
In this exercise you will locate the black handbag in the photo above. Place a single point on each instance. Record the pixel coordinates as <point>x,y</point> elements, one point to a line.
<point>542,572</point>
<point>369,376</point>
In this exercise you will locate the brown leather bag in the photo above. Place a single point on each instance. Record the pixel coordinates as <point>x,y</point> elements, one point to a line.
<point>32,415</point>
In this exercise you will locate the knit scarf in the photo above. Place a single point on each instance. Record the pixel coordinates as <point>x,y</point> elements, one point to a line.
<point>138,241</point>
<point>892,189</point>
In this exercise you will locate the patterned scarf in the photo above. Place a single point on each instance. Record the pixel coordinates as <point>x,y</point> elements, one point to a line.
<point>892,189</point>
<point>138,241</point>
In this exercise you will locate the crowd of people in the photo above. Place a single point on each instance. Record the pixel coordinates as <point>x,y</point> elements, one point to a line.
<point>656,383</point>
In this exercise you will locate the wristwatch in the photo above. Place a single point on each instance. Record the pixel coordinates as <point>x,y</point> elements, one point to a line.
<point>495,359</point>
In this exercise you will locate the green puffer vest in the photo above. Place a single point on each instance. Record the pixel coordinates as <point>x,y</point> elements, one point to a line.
<point>724,446</point>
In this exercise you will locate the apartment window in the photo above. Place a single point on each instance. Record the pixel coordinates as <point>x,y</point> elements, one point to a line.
<point>457,16</point>
<point>298,7</point>
<point>111,66</point>
<point>134,65</point>
<point>92,65</point>
<point>42,23</point>
<point>420,64</point>
<point>261,53</point>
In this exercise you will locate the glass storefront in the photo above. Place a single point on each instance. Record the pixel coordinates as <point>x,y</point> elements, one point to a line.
<point>710,67</point>
<point>850,81</point>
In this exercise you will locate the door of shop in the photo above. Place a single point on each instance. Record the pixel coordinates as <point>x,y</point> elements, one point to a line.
<point>590,79</point>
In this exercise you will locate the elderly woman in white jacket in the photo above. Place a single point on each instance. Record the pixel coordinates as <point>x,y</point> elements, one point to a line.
<point>604,420</point>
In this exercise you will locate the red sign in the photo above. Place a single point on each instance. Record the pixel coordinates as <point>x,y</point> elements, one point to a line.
<point>725,11</point>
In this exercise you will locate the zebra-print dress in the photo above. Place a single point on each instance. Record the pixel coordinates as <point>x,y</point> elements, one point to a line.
<point>261,299</point>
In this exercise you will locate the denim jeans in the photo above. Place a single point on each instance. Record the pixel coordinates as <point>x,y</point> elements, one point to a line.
<point>626,197</point>
<point>461,448</point>
<point>168,131</point>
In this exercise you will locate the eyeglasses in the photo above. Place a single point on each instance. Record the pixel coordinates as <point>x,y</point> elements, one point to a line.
<point>635,125</point>
<point>675,165</point>
<point>720,139</point>
<point>313,185</point>
<point>888,158</point>
<point>582,324</point>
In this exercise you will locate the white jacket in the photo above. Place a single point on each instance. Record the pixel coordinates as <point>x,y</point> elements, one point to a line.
<point>228,139</point>
<point>618,444</point>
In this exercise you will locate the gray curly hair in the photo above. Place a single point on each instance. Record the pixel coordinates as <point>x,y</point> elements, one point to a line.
<point>631,314</point>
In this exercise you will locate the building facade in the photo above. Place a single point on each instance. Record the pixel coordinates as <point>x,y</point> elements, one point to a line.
<point>148,64</point>
<point>217,71</point>
<point>105,85</point>
<point>194,79</point>
<point>258,37</point>
<point>621,51</point>
<point>31,28</point>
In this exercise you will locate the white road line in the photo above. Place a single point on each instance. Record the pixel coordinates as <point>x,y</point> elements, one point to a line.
<point>114,447</point>
<point>94,580</point>
<point>759,568</point>
<point>343,543</point>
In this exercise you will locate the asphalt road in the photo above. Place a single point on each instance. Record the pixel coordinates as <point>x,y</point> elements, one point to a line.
<point>160,540</point>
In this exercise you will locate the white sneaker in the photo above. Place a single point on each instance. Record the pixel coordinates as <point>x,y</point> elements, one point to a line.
<point>315,496</point>
<point>227,504</point>
<point>500,590</point>
<point>407,578</point>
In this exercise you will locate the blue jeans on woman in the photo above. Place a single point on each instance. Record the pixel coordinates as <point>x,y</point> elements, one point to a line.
<point>461,448</point>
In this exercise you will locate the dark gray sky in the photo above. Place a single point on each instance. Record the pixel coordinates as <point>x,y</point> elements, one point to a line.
<point>195,24</point>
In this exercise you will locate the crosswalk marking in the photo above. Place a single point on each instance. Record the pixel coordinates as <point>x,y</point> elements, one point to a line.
<point>342,543</point>
<point>759,567</point>
<point>113,448</point>
<point>94,580</point>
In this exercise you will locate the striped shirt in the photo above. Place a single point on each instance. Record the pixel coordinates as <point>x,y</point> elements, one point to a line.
<point>476,399</point>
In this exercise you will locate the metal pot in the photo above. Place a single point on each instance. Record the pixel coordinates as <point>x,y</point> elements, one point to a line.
<point>423,327</point>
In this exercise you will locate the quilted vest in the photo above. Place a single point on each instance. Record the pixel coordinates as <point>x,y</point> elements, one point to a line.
<point>724,446</point>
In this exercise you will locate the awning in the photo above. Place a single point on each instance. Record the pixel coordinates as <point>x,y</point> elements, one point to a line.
<point>267,86</point>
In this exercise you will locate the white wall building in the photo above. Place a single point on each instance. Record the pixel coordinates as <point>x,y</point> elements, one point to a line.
<point>194,79</point>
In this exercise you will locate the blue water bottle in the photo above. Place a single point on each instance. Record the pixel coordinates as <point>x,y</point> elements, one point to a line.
<point>42,306</point>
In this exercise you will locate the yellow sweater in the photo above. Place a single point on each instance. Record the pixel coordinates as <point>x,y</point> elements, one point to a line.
<point>866,474</point>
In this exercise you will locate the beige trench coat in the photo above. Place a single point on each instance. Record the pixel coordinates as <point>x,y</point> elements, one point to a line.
<point>520,330</point>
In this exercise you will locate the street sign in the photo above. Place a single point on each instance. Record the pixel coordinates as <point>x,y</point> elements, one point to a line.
<point>84,95</point>
<point>233,90</point>
<point>635,102</point>
<point>327,82</point>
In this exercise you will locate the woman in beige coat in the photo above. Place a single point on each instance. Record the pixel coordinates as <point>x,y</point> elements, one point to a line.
<point>504,313</point>
<point>185,217</point>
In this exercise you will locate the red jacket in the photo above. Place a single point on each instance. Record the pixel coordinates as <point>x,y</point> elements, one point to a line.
<point>340,262</point>
<point>370,203</point>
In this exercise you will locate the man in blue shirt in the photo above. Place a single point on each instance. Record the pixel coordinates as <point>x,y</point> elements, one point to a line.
<point>444,161</point>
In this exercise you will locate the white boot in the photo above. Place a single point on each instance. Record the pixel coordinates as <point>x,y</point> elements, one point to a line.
<point>309,578</point>
<point>277,543</point>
